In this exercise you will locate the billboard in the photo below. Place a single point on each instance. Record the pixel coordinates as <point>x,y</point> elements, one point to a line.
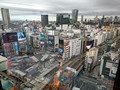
<point>37,30</point>
<point>42,42</point>
<point>61,43</point>
<point>51,42</point>
<point>34,30</point>
<point>89,44</point>
<point>50,37</point>
<point>108,27</point>
<point>21,36</point>
<point>9,37</point>
<point>5,37</point>
<point>12,37</point>
<point>42,36</point>
<point>60,50</point>
<point>89,60</point>
<point>16,47</point>
<point>1,53</point>
<point>66,43</point>
<point>50,32</point>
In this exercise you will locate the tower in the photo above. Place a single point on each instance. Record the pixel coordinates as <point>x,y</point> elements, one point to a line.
<point>44,20</point>
<point>81,18</point>
<point>102,20</point>
<point>74,15</point>
<point>5,16</point>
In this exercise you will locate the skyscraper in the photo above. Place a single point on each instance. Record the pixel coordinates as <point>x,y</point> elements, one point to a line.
<point>115,19</point>
<point>62,18</point>
<point>102,20</point>
<point>5,16</point>
<point>44,20</point>
<point>74,15</point>
<point>81,18</point>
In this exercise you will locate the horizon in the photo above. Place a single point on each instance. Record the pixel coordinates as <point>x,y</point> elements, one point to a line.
<point>22,10</point>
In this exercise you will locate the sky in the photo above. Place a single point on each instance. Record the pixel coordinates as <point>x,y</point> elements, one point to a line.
<point>33,9</point>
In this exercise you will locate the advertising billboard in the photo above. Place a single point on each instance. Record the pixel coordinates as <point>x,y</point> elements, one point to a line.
<point>50,38</point>
<point>42,36</point>
<point>5,37</point>
<point>9,37</point>
<point>60,50</point>
<point>42,42</point>
<point>34,30</point>
<point>89,44</point>
<point>51,42</point>
<point>66,43</point>
<point>50,32</point>
<point>12,37</point>
<point>61,43</point>
<point>37,30</point>
<point>21,36</point>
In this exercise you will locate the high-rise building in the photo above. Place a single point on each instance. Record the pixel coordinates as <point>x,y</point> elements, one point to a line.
<point>81,18</point>
<point>102,20</point>
<point>62,18</point>
<point>44,20</point>
<point>115,19</point>
<point>74,15</point>
<point>5,16</point>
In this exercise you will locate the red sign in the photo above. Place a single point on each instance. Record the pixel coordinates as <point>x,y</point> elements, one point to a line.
<point>62,60</point>
<point>7,44</point>
<point>66,42</point>
<point>37,30</point>
<point>6,26</point>
<point>56,44</point>
<point>98,30</point>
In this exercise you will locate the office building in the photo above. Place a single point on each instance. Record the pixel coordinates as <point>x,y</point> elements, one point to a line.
<point>70,47</point>
<point>75,47</point>
<point>62,18</point>
<point>64,49</point>
<point>81,18</point>
<point>35,40</point>
<point>91,58</point>
<point>44,20</point>
<point>74,15</point>
<point>53,40</point>
<point>5,16</point>
<point>109,65</point>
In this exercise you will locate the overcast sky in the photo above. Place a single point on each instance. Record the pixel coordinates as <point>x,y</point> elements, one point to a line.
<point>32,9</point>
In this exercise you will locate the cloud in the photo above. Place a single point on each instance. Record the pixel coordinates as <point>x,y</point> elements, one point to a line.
<point>33,9</point>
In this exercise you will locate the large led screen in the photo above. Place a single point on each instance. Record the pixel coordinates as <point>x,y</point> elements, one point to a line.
<point>12,37</point>
<point>21,36</point>
<point>89,44</point>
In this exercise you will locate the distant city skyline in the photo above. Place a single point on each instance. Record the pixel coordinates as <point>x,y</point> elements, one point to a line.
<point>33,9</point>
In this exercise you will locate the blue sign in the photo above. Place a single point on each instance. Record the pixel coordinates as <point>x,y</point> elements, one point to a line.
<point>41,36</point>
<point>4,26</point>
<point>21,36</point>
<point>83,35</point>
<point>8,57</point>
<point>60,50</point>
<point>34,30</point>
<point>1,54</point>
<point>16,47</point>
